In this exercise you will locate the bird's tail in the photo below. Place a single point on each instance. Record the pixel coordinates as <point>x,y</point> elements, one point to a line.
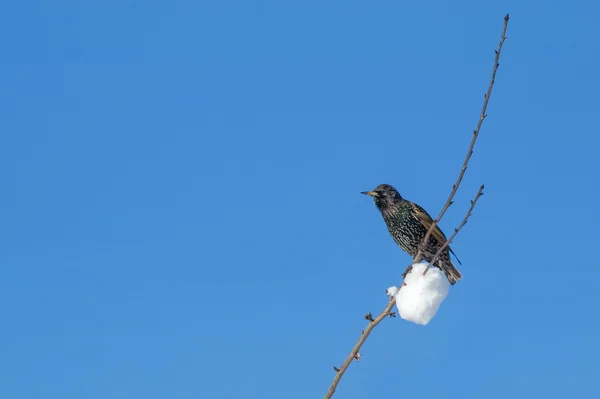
<point>450,271</point>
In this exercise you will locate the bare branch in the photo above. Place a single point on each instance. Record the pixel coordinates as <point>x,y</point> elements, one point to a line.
<point>456,230</point>
<point>482,116</point>
<point>373,322</point>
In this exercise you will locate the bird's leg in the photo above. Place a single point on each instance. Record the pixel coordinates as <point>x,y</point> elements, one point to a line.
<point>408,270</point>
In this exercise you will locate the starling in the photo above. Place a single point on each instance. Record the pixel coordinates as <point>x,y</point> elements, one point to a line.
<point>408,224</point>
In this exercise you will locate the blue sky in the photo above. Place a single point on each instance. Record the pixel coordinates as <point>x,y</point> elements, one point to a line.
<point>181,211</point>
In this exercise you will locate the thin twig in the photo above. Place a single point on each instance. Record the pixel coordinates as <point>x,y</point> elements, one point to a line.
<point>354,354</point>
<point>482,116</point>
<point>456,230</point>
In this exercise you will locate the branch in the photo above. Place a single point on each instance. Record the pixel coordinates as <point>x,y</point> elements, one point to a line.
<point>354,354</point>
<point>456,230</point>
<point>482,116</point>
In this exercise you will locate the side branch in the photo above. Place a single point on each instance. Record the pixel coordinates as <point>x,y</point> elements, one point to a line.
<point>456,230</point>
<point>482,116</point>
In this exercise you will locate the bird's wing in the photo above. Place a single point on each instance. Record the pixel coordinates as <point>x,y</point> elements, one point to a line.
<point>426,221</point>
<point>452,252</point>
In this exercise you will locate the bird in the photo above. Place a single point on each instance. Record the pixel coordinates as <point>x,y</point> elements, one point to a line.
<point>408,224</point>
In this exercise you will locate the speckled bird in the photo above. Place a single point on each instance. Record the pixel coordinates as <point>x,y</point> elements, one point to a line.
<point>408,224</point>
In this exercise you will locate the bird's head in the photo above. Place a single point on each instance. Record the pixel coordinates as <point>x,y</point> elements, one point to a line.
<point>384,195</point>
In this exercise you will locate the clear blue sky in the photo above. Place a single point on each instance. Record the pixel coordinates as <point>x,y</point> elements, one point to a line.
<point>180,203</point>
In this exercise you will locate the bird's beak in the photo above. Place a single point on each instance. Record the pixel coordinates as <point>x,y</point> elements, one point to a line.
<point>369,193</point>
